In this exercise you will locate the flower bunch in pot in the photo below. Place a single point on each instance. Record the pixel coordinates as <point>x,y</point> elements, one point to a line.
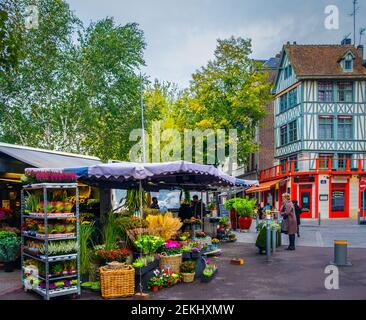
<point>149,244</point>
<point>171,248</point>
<point>155,283</point>
<point>224,222</point>
<point>187,269</point>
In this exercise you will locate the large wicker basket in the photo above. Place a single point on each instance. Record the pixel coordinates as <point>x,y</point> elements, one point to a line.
<point>117,283</point>
<point>188,277</point>
<point>171,262</point>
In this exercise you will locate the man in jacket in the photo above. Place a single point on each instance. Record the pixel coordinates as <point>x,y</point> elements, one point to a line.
<point>297,213</point>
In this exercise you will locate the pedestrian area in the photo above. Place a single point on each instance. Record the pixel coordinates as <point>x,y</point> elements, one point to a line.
<point>313,235</point>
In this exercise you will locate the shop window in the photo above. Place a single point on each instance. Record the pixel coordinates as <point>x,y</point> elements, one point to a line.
<point>338,201</point>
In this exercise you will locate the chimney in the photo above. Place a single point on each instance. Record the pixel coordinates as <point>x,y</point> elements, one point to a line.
<point>360,49</point>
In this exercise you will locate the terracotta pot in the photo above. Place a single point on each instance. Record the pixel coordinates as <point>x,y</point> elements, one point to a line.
<point>154,288</point>
<point>245,223</point>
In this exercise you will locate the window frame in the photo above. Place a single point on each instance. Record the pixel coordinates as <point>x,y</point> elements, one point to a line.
<point>321,125</point>
<point>344,91</point>
<point>326,90</point>
<point>343,136</point>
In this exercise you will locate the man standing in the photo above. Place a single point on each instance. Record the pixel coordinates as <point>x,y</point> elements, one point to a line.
<point>155,203</point>
<point>298,213</point>
<point>197,207</point>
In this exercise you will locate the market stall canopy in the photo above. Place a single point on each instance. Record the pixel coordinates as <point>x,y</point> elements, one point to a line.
<point>41,158</point>
<point>265,186</point>
<point>154,176</point>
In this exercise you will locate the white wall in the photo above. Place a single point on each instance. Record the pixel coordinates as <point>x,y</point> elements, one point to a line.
<point>324,189</point>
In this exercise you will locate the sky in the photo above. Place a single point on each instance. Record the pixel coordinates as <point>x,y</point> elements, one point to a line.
<point>181,34</point>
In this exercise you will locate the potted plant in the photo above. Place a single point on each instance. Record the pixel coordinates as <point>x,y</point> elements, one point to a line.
<point>232,237</point>
<point>209,272</point>
<point>215,244</point>
<point>154,284</point>
<point>9,249</point>
<point>57,269</point>
<point>244,208</point>
<point>229,205</point>
<point>149,244</point>
<point>224,222</point>
<point>187,268</point>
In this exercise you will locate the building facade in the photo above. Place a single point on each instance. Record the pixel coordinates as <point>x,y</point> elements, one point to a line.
<point>319,131</point>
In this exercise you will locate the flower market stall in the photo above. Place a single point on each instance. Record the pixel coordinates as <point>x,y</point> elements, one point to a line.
<point>141,249</point>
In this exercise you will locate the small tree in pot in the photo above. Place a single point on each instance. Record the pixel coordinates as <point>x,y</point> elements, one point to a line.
<point>9,249</point>
<point>244,208</point>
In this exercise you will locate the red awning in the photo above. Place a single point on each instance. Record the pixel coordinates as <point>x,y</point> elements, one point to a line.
<point>265,186</point>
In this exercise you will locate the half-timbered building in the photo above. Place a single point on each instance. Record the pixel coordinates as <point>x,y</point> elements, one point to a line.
<point>320,131</point>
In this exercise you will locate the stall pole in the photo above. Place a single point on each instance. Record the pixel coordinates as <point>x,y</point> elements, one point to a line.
<point>274,239</point>
<point>319,219</point>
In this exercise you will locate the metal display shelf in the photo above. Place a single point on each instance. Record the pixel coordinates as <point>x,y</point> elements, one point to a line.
<point>44,258</point>
<point>57,292</point>
<point>47,277</point>
<point>36,215</point>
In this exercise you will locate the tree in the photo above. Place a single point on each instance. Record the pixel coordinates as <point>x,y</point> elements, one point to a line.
<point>230,93</point>
<point>74,89</point>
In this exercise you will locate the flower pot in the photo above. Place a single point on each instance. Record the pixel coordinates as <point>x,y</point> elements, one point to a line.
<point>208,279</point>
<point>188,277</point>
<point>154,288</point>
<point>9,266</point>
<point>245,223</point>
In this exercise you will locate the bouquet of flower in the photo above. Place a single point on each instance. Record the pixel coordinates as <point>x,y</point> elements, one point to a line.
<point>215,241</point>
<point>201,234</point>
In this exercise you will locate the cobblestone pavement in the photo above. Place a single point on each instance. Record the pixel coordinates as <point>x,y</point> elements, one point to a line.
<point>291,275</point>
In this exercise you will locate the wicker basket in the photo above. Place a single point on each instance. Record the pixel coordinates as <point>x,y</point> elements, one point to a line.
<point>116,283</point>
<point>171,262</point>
<point>188,277</point>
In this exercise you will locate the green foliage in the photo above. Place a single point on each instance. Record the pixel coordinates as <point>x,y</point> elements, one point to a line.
<point>86,232</point>
<point>9,248</point>
<point>67,87</point>
<point>224,220</point>
<point>149,244</point>
<point>111,231</point>
<point>244,207</point>
<point>133,200</point>
<point>188,266</point>
<point>6,234</point>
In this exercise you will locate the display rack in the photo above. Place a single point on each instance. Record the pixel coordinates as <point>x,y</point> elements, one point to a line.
<point>47,278</point>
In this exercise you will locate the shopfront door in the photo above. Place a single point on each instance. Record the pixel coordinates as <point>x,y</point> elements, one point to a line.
<point>306,201</point>
<point>339,201</point>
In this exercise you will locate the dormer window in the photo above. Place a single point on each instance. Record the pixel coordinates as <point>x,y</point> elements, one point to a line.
<point>347,61</point>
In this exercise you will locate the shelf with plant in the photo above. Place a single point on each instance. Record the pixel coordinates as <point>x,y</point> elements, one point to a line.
<point>47,176</point>
<point>171,248</point>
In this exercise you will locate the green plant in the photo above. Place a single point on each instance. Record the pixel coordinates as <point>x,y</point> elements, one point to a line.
<point>244,207</point>
<point>86,232</point>
<point>57,268</point>
<point>6,234</point>
<point>149,244</point>
<point>154,281</point>
<point>211,206</point>
<point>224,220</point>
<point>143,261</point>
<point>9,248</point>
<point>188,266</point>
<point>132,202</point>
<point>228,204</point>
<point>31,202</point>
<point>110,231</point>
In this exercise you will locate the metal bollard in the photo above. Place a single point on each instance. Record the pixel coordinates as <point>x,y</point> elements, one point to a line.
<point>319,218</point>
<point>274,239</point>
<point>268,238</point>
<point>359,217</point>
<point>340,253</point>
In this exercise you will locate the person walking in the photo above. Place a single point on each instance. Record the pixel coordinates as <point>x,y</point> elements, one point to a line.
<point>155,203</point>
<point>298,212</point>
<point>288,212</point>
<point>198,207</point>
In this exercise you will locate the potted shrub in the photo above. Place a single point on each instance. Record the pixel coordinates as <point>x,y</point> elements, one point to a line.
<point>187,268</point>
<point>9,249</point>
<point>215,244</point>
<point>244,208</point>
